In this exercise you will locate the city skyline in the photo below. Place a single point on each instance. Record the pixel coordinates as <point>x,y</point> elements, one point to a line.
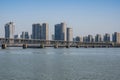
<point>84,16</point>
<point>61,32</point>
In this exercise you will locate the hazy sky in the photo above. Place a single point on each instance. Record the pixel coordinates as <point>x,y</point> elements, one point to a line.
<point>84,16</point>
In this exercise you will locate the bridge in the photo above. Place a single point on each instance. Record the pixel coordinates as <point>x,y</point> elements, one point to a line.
<point>35,43</point>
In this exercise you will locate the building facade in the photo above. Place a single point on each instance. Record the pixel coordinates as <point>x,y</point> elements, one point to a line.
<point>98,38</point>
<point>45,31</point>
<point>116,37</point>
<point>79,39</point>
<point>106,37</point>
<point>36,30</point>
<point>9,30</point>
<point>25,35</point>
<point>69,34</point>
<point>40,31</point>
<point>17,36</point>
<point>90,38</point>
<point>60,32</point>
<point>85,39</point>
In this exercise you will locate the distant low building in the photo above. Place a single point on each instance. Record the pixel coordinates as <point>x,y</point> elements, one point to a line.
<point>79,39</point>
<point>74,39</point>
<point>30,36</point>
<point>25,35</point>
<point>17,36</point>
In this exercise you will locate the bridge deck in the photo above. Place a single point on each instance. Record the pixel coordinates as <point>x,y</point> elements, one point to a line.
<point>31,43</point>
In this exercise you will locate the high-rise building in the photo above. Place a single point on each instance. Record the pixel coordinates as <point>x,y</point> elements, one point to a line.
<point>40,31</point>
<point>69,34</point>
<point>60,31</point>
<point>22,35</point>
<point>106,37</point>
<point>98,38</point>
<point>36,31</point>
<point>25,35</point>
<point>85,39</point>
<point>90,38</point>
<point>116,37</point>
<point>57,32</point>
<point>9,30</point>
<point>45,31</point>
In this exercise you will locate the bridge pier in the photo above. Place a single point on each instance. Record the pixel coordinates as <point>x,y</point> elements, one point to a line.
<point>67,46</point>
<point>4,46</point>
<point>25,46</point>
<point>85,46</point>
<point>42,46</point>
<point>77,46</point>
<point>56,46</point>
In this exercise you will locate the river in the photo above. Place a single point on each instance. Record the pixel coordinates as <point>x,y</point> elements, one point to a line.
<point>60,64</point>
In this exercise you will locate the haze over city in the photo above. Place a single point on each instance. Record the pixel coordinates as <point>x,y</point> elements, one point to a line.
<point>84,16</point>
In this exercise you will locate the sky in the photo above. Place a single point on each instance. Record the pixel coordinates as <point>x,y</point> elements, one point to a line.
<point>84,16</point>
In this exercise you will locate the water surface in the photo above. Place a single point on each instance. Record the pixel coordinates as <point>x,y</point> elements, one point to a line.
<point>60,64</point>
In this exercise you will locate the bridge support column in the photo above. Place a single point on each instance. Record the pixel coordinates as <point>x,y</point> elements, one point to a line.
<point>77,46</point>
<point>93,46</point>
<point>56,46</point>
<point>67,46</point>
<point>25,46</point>
<point>42,46</point>
<point>85,46</point>
<point>4,46</point>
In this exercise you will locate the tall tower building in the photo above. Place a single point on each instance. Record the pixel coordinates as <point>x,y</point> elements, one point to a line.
<point>40,31</point>
<point>98,38</point>
<point>90,38</point>
<point>116,37</point>
<point>36,31</point>
<point>9,30</point>
<point>57,32</point>
<point>69,34</point>
<point>60,31</point>
<point>45,31</point>
<point>85,39</point>
<point>63,31</point>
<point>106,37</point>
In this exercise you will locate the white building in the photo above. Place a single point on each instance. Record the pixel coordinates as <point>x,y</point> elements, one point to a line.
<point>69,34</point>
<point>9,30</point>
